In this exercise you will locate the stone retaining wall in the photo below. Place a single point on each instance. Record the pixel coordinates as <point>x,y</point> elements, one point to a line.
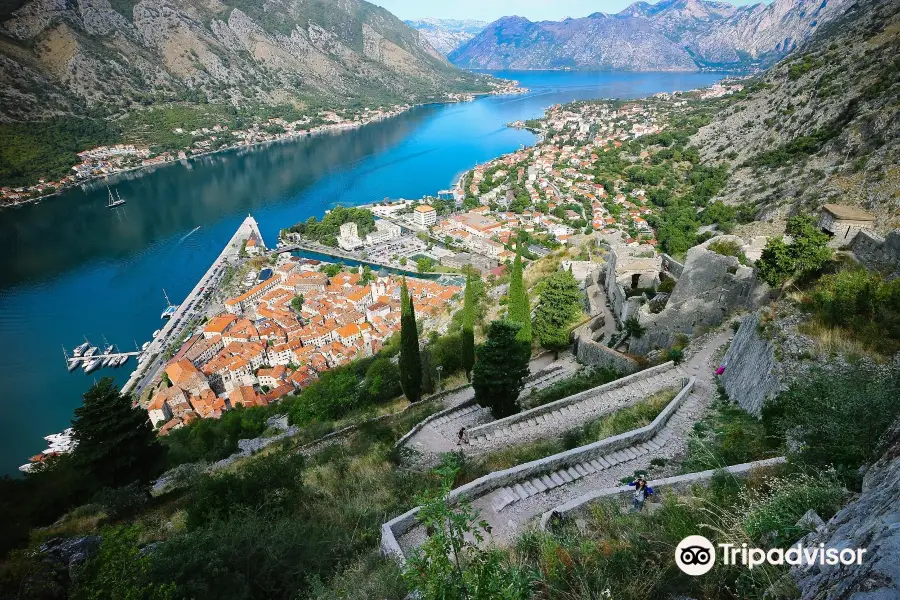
<point>598,354</point>
<point>672,266</point>
<point>396,527</point>
<point>567,401</point>
<point>878,253</point>
<point>750,377</point>
<point>679,483</point>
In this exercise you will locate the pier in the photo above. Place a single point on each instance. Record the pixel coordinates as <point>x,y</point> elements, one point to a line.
<point>190,308</point>
<point>71,362</point>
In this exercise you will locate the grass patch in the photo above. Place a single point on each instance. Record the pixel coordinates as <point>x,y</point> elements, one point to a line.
<point>631,553</point>
<point>583,380</point>
<point>727,436</point>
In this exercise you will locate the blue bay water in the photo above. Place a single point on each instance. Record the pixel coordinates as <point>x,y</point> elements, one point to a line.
<point>70,267</point>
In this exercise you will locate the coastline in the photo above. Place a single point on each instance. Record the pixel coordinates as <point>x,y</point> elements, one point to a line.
<point>331,129</point>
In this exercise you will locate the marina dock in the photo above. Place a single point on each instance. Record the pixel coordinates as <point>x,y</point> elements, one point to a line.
<point>182,315</point>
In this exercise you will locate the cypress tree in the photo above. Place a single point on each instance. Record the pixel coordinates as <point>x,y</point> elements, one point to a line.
<point>557,308</point>
<point>410,361</point>
<point>468,327</point>
<point>116,443</point>
<point>500,369</point>
<point>519,310</point>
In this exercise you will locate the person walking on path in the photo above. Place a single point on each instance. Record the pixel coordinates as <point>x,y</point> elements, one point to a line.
<point>641,491</point>
<point>463,437</point>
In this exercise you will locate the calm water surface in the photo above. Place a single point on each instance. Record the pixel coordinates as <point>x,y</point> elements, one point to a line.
<point>70,267</point>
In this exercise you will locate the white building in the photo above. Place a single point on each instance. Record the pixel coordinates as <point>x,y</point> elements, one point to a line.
<point>384,231</point>
<point>425,215</point>
<point>348,239</point>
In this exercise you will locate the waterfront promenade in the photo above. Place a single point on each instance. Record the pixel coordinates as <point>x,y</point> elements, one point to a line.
<point>194,306</point>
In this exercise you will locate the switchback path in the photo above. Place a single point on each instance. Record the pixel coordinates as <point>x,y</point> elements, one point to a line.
<point>510,508</point>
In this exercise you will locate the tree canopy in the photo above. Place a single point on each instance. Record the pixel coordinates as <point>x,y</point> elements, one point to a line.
<point>805,254</point>
<point>468,327</point>
<point>556,309</point>
<point>410,359</point>
<point>116,443</point>
<point>519,310</point>
<point>500,369</point>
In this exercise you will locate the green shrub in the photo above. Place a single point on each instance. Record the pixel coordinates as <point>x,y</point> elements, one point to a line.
<point>837,416</point>
<point>123,502</point>
<point>863,304</point>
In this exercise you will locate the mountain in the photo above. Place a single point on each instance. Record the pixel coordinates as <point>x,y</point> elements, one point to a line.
<point>61,57</point>
<point>820,126</point>
<point>446,35</point>
<point>671,35</point>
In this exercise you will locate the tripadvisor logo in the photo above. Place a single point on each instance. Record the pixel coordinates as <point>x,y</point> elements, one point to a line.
<point>696,555</point>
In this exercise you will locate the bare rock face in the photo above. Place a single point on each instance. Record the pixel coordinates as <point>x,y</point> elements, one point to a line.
<point>65,56</point>
<point>872,522</point>
<point>822,127</point>
<point>668,35</point>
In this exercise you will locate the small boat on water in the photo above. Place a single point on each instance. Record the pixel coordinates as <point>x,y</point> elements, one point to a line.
<point>145,346</point>
<point>59,443</point>
<point>90,352</point>
<point>155,333</point>
<point>81,349</point>
<point>122,360</point>
<point>108,360</point>
<point>114,202</point>
<point>92,365</point>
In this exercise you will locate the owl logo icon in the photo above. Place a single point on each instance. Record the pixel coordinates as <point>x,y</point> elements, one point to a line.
<point>695,555</point>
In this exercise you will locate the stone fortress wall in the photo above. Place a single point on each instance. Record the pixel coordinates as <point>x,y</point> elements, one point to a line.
<point>878,253</point>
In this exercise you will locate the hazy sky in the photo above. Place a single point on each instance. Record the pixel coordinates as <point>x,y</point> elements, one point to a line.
<point>491,10</point>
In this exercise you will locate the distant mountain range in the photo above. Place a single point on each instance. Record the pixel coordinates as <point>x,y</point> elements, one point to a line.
<point>446,35</point>
<point>671,35</point>
<point>69,57</point>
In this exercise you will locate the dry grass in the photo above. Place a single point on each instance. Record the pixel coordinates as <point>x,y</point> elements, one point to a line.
<point>84,520</point>
<point>836,340</point>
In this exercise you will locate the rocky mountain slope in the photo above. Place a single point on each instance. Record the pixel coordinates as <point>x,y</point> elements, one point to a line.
<point>446,35</point>
<point>822,125</point>
<point>671,35</point>
<point>72,56</point>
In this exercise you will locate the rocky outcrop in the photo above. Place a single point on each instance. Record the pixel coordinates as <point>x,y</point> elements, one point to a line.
<point>872,521</point>
<point>669,35</point>
<point>822,128</point>
<point>710,288</point>
<point>446,35</point>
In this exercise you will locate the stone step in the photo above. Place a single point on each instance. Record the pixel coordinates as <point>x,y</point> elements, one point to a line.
<point>548,482</point>
<point>565,476</point>
<point>520,491</point>
<point>557,479</point>
<point>538,485</point>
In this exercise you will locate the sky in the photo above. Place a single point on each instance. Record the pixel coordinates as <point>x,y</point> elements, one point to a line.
<point>491,10</point>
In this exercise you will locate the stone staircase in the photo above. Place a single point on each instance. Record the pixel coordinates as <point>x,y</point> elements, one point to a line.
<point>509,499</point>
<point>575,411</point>
<point>629,458</point>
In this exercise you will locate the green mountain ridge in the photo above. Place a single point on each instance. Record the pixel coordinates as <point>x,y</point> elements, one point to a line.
<point>60,57</point>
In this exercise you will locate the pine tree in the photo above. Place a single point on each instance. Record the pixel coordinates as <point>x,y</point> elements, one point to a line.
<point>555,310</point>
<point>519,310</point>
<point>500,369</point>
<point>116,443</point>
<point>410,361</point>
<point>468,327</point>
